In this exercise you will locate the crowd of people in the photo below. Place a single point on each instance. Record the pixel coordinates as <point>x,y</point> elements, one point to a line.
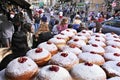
<point>19,34</point>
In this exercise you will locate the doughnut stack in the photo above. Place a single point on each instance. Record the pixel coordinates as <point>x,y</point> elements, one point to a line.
<point>69,56</point>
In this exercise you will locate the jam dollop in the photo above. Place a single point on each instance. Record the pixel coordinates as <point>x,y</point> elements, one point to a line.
<point>72,45</point>
<point>88,64</point>
<point>67,30</point>
<point>83,32</point>
<point>117,40</point>
<point>59,38</point>
<point>22,59</point>
<point>118,64</point>
<point>92,52</point>
<point>94,45</point>
<point>76,39</point>
<point>54,68</point>
<point>97,36</point>
<point>113,46</point>
<point>64,54</point>
<point>79,35</point>
<point>115,36</point>
<point>62,33</point>
<point>38,50</point>
<point>97,40</point>
<point>116,54</point>
<point>48,42</point>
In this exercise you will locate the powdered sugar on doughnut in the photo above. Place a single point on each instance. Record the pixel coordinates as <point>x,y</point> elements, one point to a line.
<point>63,36</point>
<point>111,67</point>
<point>112,56</point>
<point>114,42</point>
<point>112,49</point>
<point>49,47</point>
<point>97,41</point>
<point>90,57</point>
<point>46,74</point>
<point>89,48</point>
<point>71,58</point>
<point>79,43</point>
<point>57,40</point>
<point>17,68</point>
<point>74,50</point>
<point>80,37</point>
<point>35,56</point>
<point>68,33</point>
<point>85,72</point>
<point>98,38</point>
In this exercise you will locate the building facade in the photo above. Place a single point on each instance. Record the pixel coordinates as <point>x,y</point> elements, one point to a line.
<point>39,3</point>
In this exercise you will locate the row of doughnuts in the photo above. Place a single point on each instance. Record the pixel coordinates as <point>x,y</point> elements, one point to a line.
<point>70,56</point>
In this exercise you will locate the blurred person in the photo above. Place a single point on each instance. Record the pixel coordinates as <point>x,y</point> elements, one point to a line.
<point>43,34</point>
<point>28,29</point>
<point>77,23</point>
<point>101,18</point>
<point>95,25</point>
<point>51,12</point>
<point>91,23</point>
<point>11,15</point>
<point>44,19</point>
<point>18,21</point>
<point>63,25</point>
<point>60,15</point>
<point>6,30</point>
<point>36,18</point>
<point>55,30</point>
<point>52,22</point>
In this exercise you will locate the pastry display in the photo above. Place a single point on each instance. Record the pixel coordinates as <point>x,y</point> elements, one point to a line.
<point>69,56</point>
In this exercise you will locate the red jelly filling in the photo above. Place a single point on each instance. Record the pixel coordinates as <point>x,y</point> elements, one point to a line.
<point>76,39</point>
<point>64,54</point>
<point>38,50</point>
<point>54,68</point>
<point>88,64</point>
<point>118,64</point>
<point>94,45</point>
<point>116,54</point>
<point>48,42</point>
<point>22,59</point>
<point>92,52</point>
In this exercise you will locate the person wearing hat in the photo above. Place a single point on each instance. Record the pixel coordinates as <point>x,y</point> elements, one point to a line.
<point>77,22</point>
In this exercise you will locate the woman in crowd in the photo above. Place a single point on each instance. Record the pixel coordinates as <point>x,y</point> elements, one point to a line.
<point>28,29</point>
<point>63,25</point>
<point>77,23</point>
<point>55,30</point>
<point>43,34</point>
